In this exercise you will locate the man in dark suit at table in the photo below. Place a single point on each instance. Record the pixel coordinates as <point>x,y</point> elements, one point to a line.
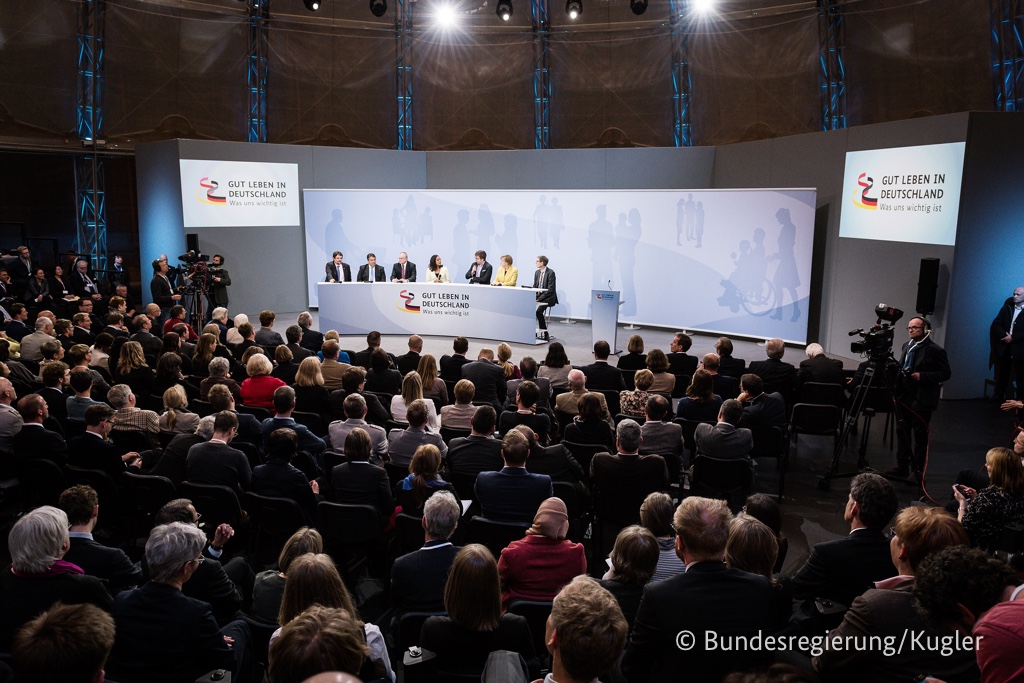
<point>708,599</point>
<point>337,271</point>
<point>480,272</point>
<point>371,272</point>
<point>403,271</point>
<point>601,375</point>
<point>544,279</point>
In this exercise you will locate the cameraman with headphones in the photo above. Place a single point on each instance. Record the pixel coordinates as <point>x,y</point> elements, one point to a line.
<point>923,368</point>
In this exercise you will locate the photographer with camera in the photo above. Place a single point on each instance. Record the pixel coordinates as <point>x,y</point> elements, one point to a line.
<point>923,368</point>
<point>162,290</point>
<point>220,280</point>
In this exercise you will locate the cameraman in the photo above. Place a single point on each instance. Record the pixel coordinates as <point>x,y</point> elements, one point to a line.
<point>220,280</point>
<point>924,367</point>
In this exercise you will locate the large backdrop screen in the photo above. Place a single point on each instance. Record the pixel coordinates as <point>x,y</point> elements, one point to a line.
<point>227,194</point>
<point>729,261</point>
<point>905,194</point>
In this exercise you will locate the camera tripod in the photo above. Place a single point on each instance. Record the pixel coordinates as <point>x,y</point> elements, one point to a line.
<point>879,376</point>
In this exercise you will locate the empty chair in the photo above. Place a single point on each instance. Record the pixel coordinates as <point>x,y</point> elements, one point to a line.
<point>272,522</point>
<point>352,535</point>
<point>218,504</point>
<point>494,535</point>
<point>731,480</point>
<point>770,442</point>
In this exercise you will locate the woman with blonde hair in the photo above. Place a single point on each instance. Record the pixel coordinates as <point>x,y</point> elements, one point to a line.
<point>313,579</point>
<point>176,416</point>
<point>635,358</point>
<point>132,369</point>
<point>311,396</point>
<point>537,566</point>
<point>433,385</point>
<point>986,513</point>
<point>506,275</point>
<point>412,390</point>
<point>474,626</point>
<point>258,390</point>
<point>511,370</point>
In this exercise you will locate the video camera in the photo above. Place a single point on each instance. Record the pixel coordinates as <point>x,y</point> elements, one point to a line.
<point>876,341</point>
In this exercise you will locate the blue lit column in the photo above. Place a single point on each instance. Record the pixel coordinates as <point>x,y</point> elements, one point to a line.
<point>541,74</point>
<point>403,71</point>
<point>1008,54</point>
<point>259,15</point>
<point>91,237</point>
<point>682,85</point>
<point>832,76</point>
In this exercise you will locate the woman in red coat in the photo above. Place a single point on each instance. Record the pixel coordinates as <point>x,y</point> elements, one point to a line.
<point>538,565</point>
<point>258,390</point>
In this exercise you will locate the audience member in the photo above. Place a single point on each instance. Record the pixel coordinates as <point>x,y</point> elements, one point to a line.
<point>358,482</point>
<point>412,390</point>
<point>451,364</point>
<point>587,632</point>
<point>820,368</point>
<point>568,402</point>
<point>268,588</point>
<point>556,366</point>
<point>280,479</point>
<point>480,451</point>
<point>601,375</point>
<point>590,425</point>
<point>92,450</point>
<point>258,390</point>
<point>656,516</point>
<point>284,406</point>
<point>410,361</point>
<point>355,416</point>
<point>487,378</point>
<point>215,462</point>
<point>752,547</point>
<point>177,417</point>
<point>632,563</point>
<point>460,415</point>
<point>67,643</point>
<point>725,386</point>
<point>353,382</point>
<point>701,403</point>
<point>526,413</point>
<point>635,358</point>
<point>680,363</point>
<point>633,403</point>
<point>219,369</point>
<point>422,482</point>
<point>318,640</point>
<point>986,513</point>
<point>82,506</point>
<point>512,494</point>
<point>402,443</point>
<point>35,441</point>
<point>725,440</point>
<point>418,578</point>
<point>664,381</point>
<point>311,396</point>
<point>622,480</point>
<point>762,409</point>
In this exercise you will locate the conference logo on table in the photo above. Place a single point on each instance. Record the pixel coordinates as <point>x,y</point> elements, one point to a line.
<point>208,197</point>
<point>406,302</point>
<point>860,197</point>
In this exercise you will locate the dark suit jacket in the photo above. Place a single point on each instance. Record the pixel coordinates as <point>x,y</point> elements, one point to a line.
<point>723,441</point>
<point>110,564</point>
<point>312,339</point>
<point>78,284</point>
<point>161,292</point>
<point>376,413</point>
<point>172,461</point>
<point>474,454</point>
<point>707,598</point>
<point>16,330</point>
<point>151,344</point>
<point>682,364</point>
<point>299,352</point>
<point>621,482</point>
<point>92,453</point>
<point>1000,328</point>
<point>603,376</point>
<point>450,367</point>
<point>841,570</point>
<point>331,272</point>
<point>410,271</point>
<point>56,402</point>
<point>485,274</point>
<point>39,442</point>
<point>360,483</point>
<point>364,273</point>
<point>489,380</point>
<point>766,410</point>
<point>775,373</point>
<point>733,367</point>
<point>163,635</point>
<point>664,439</point>
<point>82,336</point>
<point>549,296</point>
<point>408,362</point>
<point>543,402</point>
<point>821,368</point>
<point>512,494</point>
<point>930,360</point>
<point>418,578</point>
<point>25,598</point>
<point>218,464</point>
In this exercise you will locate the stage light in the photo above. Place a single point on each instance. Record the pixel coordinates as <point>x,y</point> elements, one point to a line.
<point>703,6</point>
<point>574,8</point>
<point>446,16</point>
<point>378,7</point>
<point>311,5</point>
<point>638,6</point>
<point>504,9</point>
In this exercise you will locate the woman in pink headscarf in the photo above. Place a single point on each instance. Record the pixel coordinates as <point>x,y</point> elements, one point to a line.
<point>538,565</point>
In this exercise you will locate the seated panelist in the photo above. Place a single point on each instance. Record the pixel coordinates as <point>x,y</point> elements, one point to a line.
<point>480,272</point>
<point>403,271</point>
<point>337,271</point>
<point>371,272</point>
<point>507,275</point>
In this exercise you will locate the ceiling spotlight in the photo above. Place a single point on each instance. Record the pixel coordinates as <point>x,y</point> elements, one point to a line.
<point>311,5</point>
<point>504,9</point>
<point>574,8</point>
<point>703,6</point>
<point>378,7</point>
<point>638,6</point>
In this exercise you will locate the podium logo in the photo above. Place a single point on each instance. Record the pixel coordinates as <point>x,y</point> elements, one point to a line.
<point>209,197</point>
<point>860,197</point>
<point>406,302</point>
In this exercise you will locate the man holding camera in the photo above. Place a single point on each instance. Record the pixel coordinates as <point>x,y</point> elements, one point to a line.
<point>924,367</point>
<point>220,280</point>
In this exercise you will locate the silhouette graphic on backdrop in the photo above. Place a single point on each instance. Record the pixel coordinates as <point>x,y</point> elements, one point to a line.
<point>627,234</point>
<point>748,285</point>
<point>690,211</point>
<point>334,235</point>
<point>680,220</point>
<point>698,223</point>
<point>601,240</point>
<point>556,222</point>
<point>426,226</point>
<point>540,222</point>
<point>508,241</point>
<point>786,276</point>
<point>484,228</point>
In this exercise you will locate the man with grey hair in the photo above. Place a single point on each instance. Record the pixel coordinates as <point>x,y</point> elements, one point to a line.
<point>32,344</point>
<point>404,270</point>
<point>568,402</point>
<point>219,369</point>
<point>622,480</point>
<point>418,578</point>
<point>127,417</point>
<point>774,372</point>
<point>163,635</point>
<point>10,419</point>
<point>38,575</point>
<point>311,339</point>
<point>219,317</point>
<point>355,414</point>
<point>820,368</point>
<point>709,600</point>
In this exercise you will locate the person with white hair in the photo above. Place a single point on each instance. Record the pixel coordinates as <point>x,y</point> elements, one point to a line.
<point>774,371</point>
<point>163,635</point>
<point>418,578</point>
<point>39,576</point>
<point>820,368</point>
<point>233,336</point>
